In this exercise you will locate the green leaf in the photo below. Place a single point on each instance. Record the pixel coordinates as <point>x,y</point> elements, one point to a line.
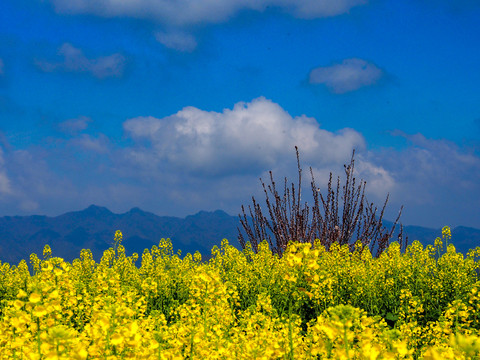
<point>391,317</point>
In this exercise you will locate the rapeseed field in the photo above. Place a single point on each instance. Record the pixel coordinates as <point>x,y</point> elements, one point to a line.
<point>310,303</point>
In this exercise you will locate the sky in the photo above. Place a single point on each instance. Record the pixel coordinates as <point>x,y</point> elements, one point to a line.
<point>180,106</point>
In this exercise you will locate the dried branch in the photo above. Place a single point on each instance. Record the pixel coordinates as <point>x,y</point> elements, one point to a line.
<point>327,227</point>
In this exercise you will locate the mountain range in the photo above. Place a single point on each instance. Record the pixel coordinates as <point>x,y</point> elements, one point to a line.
<point>94,228</point>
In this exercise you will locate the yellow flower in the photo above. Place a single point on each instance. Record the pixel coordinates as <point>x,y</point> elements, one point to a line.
<point>116,339</point>
<point>446,233</point>
<point>35,298</point>
<point>47,251</point>
<point>40,311</point>
<point>104,323</point>
<point>118,237</point>
<point>18,304</point>
<point>133,328</point>
<point>330,332</point>
<point>80,354</point>
<point>52,355</point>
<point>21,294</point>
<point>54,294</point>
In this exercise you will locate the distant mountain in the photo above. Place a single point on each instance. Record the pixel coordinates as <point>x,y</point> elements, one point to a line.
<point>94,228</point>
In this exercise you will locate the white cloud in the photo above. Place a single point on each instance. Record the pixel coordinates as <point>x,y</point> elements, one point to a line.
<point>31,183</point>
<point>4,183</point>
<point>178,16</point>
<point>29,205</point>
<point>309,9</point>
<point>250,137</point>
<point>222,155</point>
<point>73,126</point>
<point>350,75</point>
<point>184,12</point>
<point>5,187</point>
<point>380,181</point>
<point>177,40</point>
<point>85,142</point>
<point>75,61</point>
<point>199,160</point>
<point>441,160</point>
<point>435,179</point>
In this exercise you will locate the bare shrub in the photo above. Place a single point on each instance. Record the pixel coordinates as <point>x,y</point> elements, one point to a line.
<point>294,225</point>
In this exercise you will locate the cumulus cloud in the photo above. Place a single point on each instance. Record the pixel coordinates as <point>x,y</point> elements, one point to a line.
<point>74,126</point>
<point>177,40</point>
<point>202,160</point>
<point>350,75</point>
<point>247,138</point>
<point>187,12</point>
<point>75,61</point>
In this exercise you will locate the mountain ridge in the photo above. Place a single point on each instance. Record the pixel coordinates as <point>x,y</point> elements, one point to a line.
<point>94,228</point>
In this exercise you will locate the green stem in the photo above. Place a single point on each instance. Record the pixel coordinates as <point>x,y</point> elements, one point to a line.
<point>345,339</point>
<point>290,330</point>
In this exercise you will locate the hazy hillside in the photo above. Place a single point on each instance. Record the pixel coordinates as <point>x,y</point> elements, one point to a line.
<point>94,228</point>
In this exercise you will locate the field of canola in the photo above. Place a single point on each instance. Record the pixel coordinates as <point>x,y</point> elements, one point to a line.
<point>309,304</point>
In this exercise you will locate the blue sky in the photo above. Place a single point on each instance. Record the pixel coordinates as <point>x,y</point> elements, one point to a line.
<point>181,106</point>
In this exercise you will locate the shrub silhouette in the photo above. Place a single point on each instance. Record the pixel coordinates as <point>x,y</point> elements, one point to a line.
<point>294,224</point>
